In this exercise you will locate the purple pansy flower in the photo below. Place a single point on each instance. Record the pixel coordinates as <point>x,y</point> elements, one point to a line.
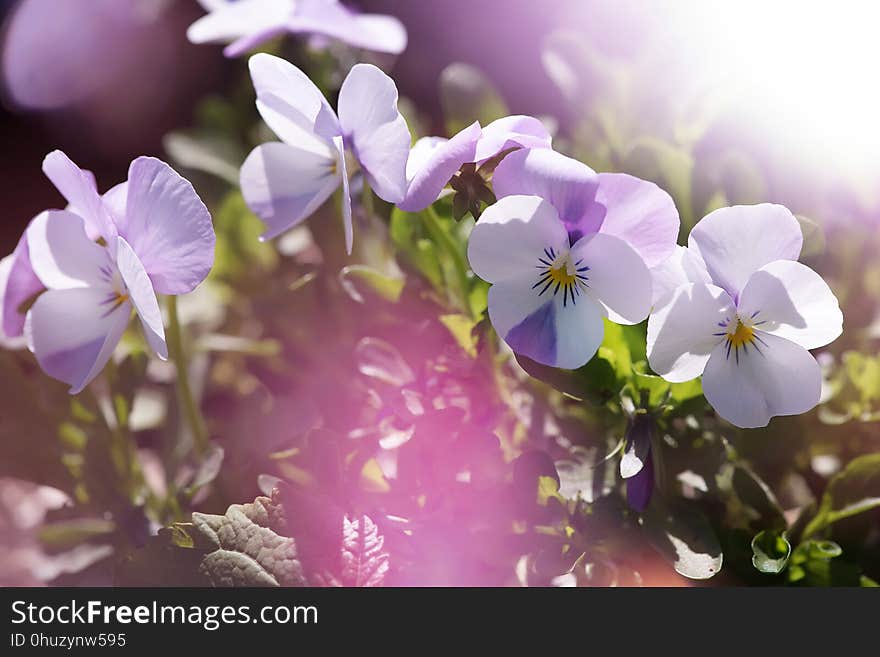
<point>634,210</point>
<point>434,160</point>
<point>549,294</point>
<point>742,312</point>
<point>564,248</point>
<point>248,23</point>
<point>637,463</point>
<point>78,188</point>
<point>285,182</point>
<point>104,257</point>
<point>15,341</point>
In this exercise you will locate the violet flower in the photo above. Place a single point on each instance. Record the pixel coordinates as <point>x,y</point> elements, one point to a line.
<point>637,463</point>
<point>433,161</point>
<point>549,295</point>
<point>245,24</point>
<point>740,310</point>
<point>285,182</point>
<point>565,248</point>
<point>100,259</point>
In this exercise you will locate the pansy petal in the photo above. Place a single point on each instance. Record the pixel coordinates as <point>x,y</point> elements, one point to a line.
<point>62,255</point>
<point>511,132</point>
<point>617,277</point>
<point>421,153</point>
<point>684,331</point>
<point>20,285</point>
<point>375,32</point>
<point>735,242</point>
<point>244,45</point>
<point>570,186</point>
<point>229,21</point>
<point>7,341</point>
<point>291,105</point>
<point>73,332</point>
<point>168,226</point>
<point>115,200</point>
<point>438,160</point>
<point>580,328</point>
<point>78,188</point>
<point>142,295</point>
<point>346,196</point>
<point>772,377</point>
<point>523,319</point>
<point>213,5</point>
<point>639,213</point>
<point>640,486</point>
<point>284,185</point>
<point>540,327</point>
<point>682,267</point>
<point>375,130</point>
<point>512,237</point>
<point>792,301</point>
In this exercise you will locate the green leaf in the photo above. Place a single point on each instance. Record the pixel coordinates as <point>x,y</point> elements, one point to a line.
<point>822,549</point>
<point>565,381</point>
<point>814,237</point>
<point>208,469</point>
<point>212,154</point>
<point>679,532</point>
<point>467,95</point>
<point>755,494</point>
<point>253,545</point>
<point>420,252</point>
<point>770,551</point>
<point>239,252</point>
<point>853,490</point>
<point>864,374</point>
<point>587,474</point>
<point>534,479</point>
<point>817,563</point>
<point>33,408</point>
<point>127,377</point>
<point>363,560</point>
<point>242,549</point>
<point>660,391</point>
<point>385,286</point>
<point>163,562</point>
<point>64,534</point>
<point>335,549</point>
<point>597,381</point>
<point>381,360</point>
<point>616,349</point>
<point>462,329</point>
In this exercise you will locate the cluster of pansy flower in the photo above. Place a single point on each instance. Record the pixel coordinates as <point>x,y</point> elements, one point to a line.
<point>69,288</point>
<point>565,248</point>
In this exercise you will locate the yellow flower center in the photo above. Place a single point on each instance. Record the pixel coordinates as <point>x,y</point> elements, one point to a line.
<point>561,275</point>
<point>121,298</point>
<point>742,335</point>
<point>558,273</point>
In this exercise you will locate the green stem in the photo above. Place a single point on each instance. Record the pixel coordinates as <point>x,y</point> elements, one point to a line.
<point>444,241</point>
<point>184,390</point>
<point>122,447</point>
